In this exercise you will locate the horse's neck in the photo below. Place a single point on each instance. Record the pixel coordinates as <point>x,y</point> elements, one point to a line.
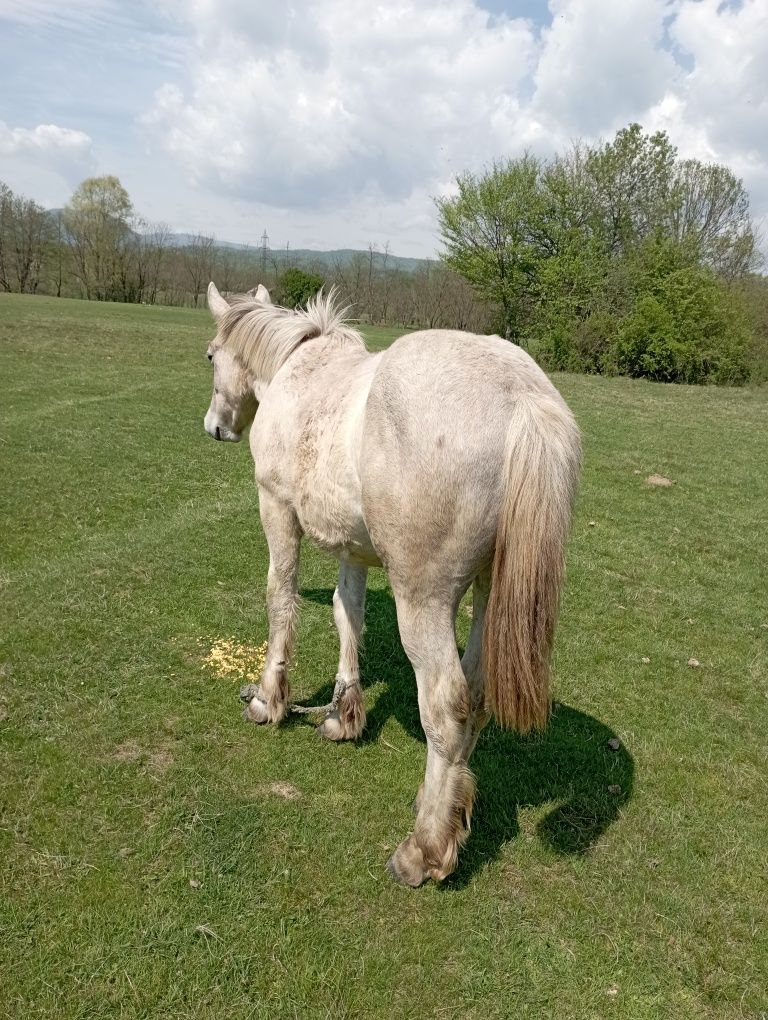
<point>321,353</point>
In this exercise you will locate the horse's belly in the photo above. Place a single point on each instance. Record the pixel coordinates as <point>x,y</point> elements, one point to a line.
<point>360,553</point>
<point>338,528</point>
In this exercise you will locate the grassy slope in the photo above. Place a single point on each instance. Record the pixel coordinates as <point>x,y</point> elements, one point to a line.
<point>126,771</point>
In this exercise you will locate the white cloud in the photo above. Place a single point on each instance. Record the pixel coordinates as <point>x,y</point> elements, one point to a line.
<point>338,104</point>
<point>725,93</point>
<point>718,110</point>
<point>343,98</point>
<point>602,64</point>
<point>49,147</point>
<point>328,119</point>
<point>45,138</point>
<point>37,12</point>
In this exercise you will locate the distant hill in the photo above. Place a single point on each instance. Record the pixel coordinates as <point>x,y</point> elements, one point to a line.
<point>304,256</point>
<point>298,256</point>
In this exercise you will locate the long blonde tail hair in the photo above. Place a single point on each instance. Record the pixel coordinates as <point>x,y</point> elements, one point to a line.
<point>543,457</point>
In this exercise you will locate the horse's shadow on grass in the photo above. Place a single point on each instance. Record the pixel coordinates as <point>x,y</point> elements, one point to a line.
<point>570,766</point>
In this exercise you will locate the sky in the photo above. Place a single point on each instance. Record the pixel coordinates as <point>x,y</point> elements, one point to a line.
<point>334,123</point>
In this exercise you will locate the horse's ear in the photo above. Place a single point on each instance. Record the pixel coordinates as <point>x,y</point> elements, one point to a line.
<point>262,294</point>
<point>217,304</point>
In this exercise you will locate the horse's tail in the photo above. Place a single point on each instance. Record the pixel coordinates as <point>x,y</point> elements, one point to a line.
<point>542,461</point>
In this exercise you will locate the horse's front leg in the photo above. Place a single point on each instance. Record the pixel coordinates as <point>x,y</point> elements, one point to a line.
<point>347,720</point>
<point>269,701</point>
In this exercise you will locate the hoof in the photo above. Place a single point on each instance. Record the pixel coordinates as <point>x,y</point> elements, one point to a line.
<point>333,727</point>
<point>406,865</point>
<point>248,692</point>
<point>256,711</point>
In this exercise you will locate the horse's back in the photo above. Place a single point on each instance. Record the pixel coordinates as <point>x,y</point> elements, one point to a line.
<point>433,450</point>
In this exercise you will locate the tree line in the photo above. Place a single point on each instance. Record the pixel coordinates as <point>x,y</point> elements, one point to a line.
<point>619,258</point>
<point>100,249</point>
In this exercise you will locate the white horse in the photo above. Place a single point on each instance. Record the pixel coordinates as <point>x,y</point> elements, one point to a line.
<point>451,460</point>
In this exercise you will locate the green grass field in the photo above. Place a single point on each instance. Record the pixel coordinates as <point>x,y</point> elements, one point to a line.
<point>161,858</point>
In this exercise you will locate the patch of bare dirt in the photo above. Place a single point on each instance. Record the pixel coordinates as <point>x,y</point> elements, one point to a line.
<point>659,480</point>
<point>158,758</point>
<point>129,750</point>
<point>280,789</point>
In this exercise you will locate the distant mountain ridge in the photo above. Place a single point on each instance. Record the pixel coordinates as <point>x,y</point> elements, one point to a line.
<point>291,256</point>
<point>284,257</point>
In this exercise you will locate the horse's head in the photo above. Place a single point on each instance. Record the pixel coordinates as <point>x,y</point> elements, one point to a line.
<point>233,404</point>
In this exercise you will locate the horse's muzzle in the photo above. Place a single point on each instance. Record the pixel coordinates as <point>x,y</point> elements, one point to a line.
<point>219,432</point>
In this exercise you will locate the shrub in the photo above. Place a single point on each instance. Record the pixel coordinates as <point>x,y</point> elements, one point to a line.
<point>295,288</point>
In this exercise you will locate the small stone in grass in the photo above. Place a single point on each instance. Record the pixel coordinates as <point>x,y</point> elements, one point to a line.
<point>694,663</point>
<point>593,524</point>
<point>614,788</point>
<point>659,480</point>
<point>614,743</point>
<point>125,851</point>
<point>645,659</point>
<point>195,884</point>
<point>612,992</point>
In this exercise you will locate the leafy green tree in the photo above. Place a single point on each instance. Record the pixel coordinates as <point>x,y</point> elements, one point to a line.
<point>491,232</point>
<point>684,324</point>
<point>610,258</point>
<point>630,180</point>
<point>295,287</point>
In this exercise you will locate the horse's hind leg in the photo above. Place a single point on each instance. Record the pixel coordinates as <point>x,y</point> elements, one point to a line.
<point>451,714</point>
<point>269,701</point>
<point>472,667</point>
<point>347,721</point>
<point>472,660</point>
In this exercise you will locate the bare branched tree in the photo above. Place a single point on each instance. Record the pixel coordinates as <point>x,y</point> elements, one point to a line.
<point>199,260</point>
<point>25,230</point>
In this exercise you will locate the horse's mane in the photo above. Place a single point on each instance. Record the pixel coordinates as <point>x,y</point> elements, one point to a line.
<point>263,336</point>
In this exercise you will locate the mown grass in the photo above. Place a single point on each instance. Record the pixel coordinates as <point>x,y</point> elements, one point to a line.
<point>131,542</point>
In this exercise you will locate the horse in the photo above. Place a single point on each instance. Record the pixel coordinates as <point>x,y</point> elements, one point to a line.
<point>451,460</point>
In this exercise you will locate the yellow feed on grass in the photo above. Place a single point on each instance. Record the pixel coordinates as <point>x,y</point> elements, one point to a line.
<point>231,660</point>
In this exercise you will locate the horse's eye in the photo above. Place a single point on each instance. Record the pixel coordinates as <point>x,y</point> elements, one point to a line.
<point>210,357</point>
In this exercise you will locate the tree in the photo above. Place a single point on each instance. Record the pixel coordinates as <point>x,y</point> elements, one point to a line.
<point>641,188</point>
<point>147,255</point>
<point>629,184</point>
<point>711,208</point>
<point>97,221</point>
<point>295,287</point>
<point>490,231</point>
<point>567,248</point>
<point>6,199</point>
<point>198,259</point>
<point>57,252</point>
<point>25,230</point>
